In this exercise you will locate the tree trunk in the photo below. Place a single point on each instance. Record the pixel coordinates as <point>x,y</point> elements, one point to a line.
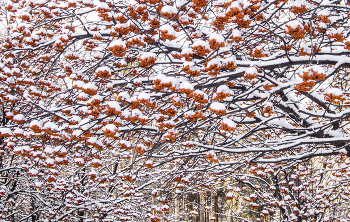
<point>214,206</point>
<point>177,207</point>
<point>184,206</point>
<point>201,207</point>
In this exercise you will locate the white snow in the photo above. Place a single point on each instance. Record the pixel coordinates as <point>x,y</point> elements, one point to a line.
<point>33,171</point>
<point>102,5</point>
<point>115,105</point>
<point>298,3</point>
<point>75,54</point>
<point>89,86</point>
<point>218,106</point>
<point>294,24</point>
<point>229,122</point>
<point>126,143</point>
<point>48,150</point>
<point>251,70</point>
<point>103,68</point>
<point>50,161</point>
<point>145,55</point>
<point>118,42</point>
<point>169,9</point>
<point>219,38</point>
<point>79,160</point>
<point>136,113</point>
<point>124,95</point>
<point>186,85</point>
<point>5,131</point>
<point>35,123</point>
<point>215,61</point>
<point>60,149</point>
<point>96,161</point>
<point>18,131</point>
<point>223,89</point>
<point>110,127</point>
<point>144,95</point>
<point>186,51</point>
<point>335,91</point>
<point>235,4</point>
<point>51,126</point>
<point>324,12</point>
<point>201,43</point>
<point>19,117</point>
<point>168,28</point>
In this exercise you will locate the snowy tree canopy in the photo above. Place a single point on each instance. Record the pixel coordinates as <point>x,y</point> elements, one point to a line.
<point>199,110</point>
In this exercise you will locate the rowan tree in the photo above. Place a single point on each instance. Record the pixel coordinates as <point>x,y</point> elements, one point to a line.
<point>198,110</point>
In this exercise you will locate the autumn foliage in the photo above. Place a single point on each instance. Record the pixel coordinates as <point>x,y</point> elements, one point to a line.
<point>196,110</point>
